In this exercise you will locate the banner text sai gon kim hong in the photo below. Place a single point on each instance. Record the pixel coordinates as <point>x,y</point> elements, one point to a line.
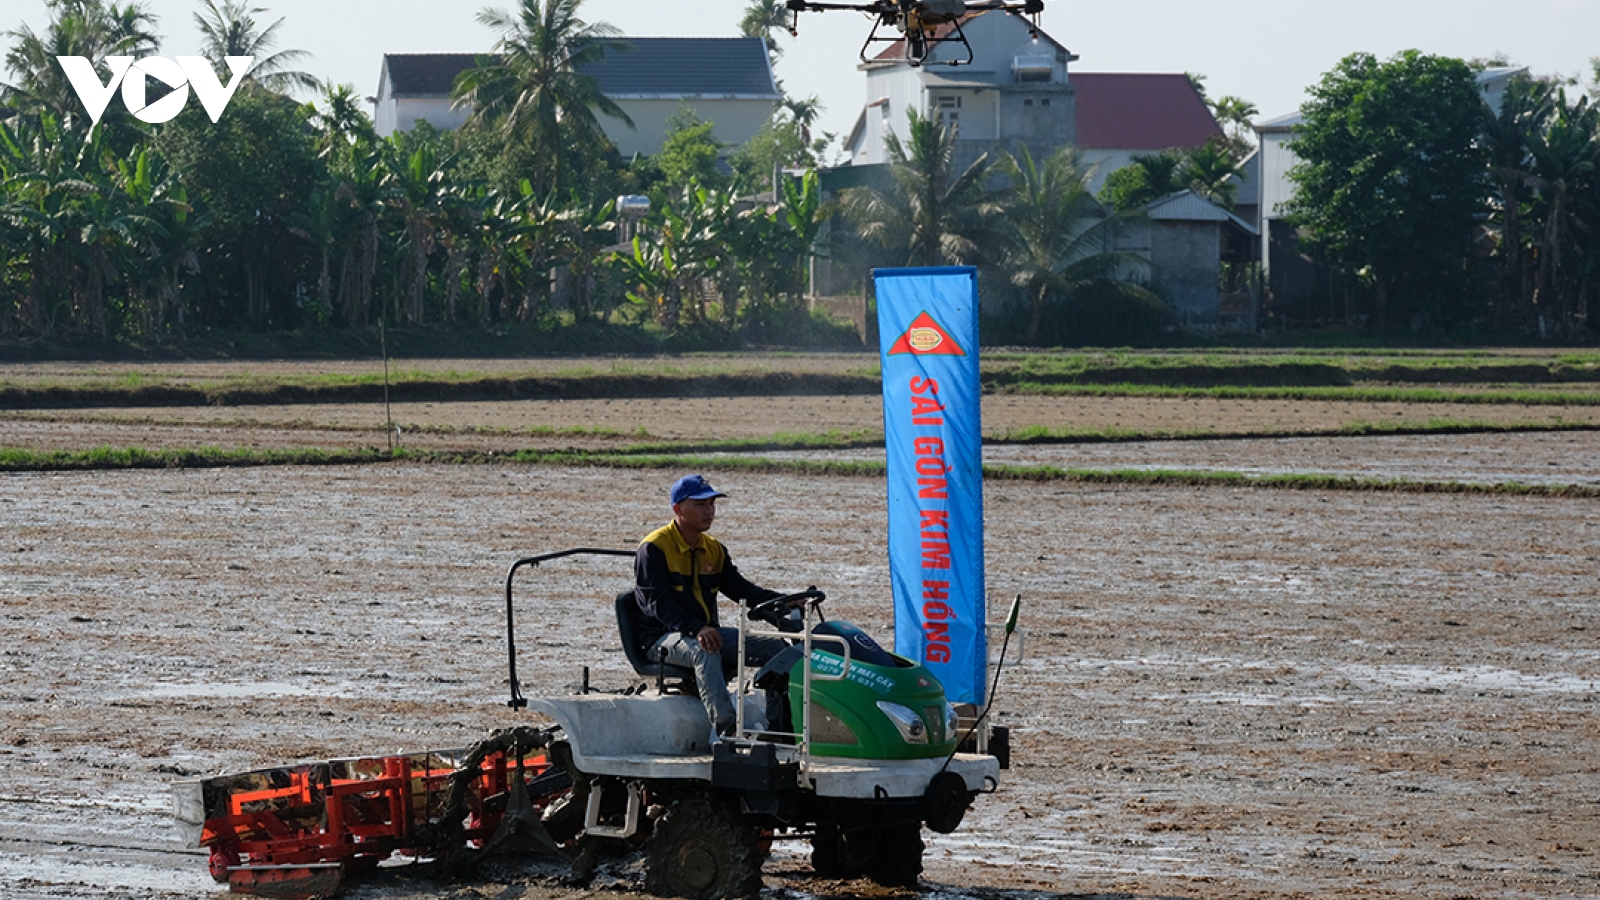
<point>928,322</point>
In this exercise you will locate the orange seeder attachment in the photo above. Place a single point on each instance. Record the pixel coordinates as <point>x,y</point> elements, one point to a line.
<point>295,831</point>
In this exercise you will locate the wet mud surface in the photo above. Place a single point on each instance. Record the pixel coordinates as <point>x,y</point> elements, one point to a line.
<point>1225,693</point>
<point>508,426</point>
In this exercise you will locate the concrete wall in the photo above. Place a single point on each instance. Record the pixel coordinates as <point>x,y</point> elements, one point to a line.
<point>1184,263</point>
<point>1041,116</point>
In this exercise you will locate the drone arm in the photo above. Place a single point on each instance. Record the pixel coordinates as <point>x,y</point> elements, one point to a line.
<point>800,6</point>
<point>1026,7</point>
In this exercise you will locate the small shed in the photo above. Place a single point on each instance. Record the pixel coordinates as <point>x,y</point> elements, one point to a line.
<point>1186,238</point>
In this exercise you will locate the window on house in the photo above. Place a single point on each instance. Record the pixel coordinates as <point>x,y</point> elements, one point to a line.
<point>947,112</point>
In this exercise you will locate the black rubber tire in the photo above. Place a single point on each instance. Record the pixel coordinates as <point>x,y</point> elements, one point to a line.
<point>703,849</point>
<point>840,854</point>
<point>897,861</point>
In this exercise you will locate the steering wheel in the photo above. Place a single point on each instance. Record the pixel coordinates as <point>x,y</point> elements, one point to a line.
<point>772,611</point>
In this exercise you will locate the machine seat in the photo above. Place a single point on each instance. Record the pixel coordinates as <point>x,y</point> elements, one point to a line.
<point>628,624</point>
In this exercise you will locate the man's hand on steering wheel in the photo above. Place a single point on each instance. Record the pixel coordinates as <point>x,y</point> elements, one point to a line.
<point>776,611</point>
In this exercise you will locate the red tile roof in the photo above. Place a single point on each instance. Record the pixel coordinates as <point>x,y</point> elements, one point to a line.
<point>1119,111</point>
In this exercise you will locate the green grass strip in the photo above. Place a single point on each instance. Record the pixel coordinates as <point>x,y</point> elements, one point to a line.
<point>1296,481</point>
<point>1354,394</point>
<point>784,440</point>
<point>15,460</point>
<point>1043,434</point>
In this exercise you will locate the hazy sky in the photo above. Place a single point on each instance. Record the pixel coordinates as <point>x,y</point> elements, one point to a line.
<point>1267,51</point>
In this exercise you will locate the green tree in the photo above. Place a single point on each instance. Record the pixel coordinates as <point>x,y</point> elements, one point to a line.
<point>1236,115</point>
<point>1565,155</point>
<point>417,189</point>
<point>535,95</point>
<point>784,142</point>
<point>690,152</point>
<point>930,214</point>
<point>343,120</point>
<point>1210,172</point>
<point>1061,240</point>
<point>53,185</point>
<point>761,19</point>
<point>1509,137</point>
<point>1149,177</point>
<point>589,231</point>
<point>160,247</point>
<point>1392,177</point>
<point>88,28</point>
<point>231,30</point>
<point>251,173</point>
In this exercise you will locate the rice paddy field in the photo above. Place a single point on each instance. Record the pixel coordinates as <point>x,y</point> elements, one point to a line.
<point>1296,625</point>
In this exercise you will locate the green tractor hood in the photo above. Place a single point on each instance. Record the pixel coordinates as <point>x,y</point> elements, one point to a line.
<point>879,706</point>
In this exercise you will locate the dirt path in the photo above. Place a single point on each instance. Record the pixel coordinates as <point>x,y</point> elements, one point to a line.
<point>1225,694</point>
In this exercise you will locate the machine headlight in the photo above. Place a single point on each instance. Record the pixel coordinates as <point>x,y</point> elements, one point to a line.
<point>952,722</point>
<point>912,729</point>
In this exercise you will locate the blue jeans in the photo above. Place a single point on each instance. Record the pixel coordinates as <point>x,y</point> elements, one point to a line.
<point>708,667</point>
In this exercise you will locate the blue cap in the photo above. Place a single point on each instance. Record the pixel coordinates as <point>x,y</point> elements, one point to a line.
<point>693,487</point>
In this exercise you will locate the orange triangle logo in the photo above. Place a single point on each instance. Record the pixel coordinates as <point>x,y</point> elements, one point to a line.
<point>926,337</point>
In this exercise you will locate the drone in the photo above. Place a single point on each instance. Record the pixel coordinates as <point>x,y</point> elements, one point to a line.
<point>919,22</point>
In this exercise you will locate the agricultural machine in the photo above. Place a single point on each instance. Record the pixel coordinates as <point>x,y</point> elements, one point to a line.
<point>838,742</point>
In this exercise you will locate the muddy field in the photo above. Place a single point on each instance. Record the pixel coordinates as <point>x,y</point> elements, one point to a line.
<point>1225,693</point>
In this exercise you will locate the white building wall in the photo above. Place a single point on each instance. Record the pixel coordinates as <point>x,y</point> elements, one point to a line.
<point>893,88</point>
<point>905,93</point>
<point>1276,161</point>
<point>997,39</point>
<point>401,113</point>
<point>735,121</point>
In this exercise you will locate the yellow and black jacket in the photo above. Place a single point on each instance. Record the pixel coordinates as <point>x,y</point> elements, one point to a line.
<point>677,585</point>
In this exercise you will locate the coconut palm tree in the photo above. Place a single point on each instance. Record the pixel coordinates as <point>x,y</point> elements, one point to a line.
<point>344,121</point>
<point>1524,109</point>
<point>87,28</point>
<point>1209,171</point>
<point>931,214</point>
<point>1061,238</point>
<point>535,93</point>
<point>761,19</point>
<point>1237,116</point>
<point>1565,157</point>
<point>231,30</point>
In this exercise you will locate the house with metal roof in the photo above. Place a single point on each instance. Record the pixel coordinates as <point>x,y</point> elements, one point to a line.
<point>1019,90</point>
<point>726,81</point>
<point>1185,238</point>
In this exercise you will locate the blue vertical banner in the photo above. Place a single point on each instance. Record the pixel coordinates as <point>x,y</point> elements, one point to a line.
<point>928,328</point>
